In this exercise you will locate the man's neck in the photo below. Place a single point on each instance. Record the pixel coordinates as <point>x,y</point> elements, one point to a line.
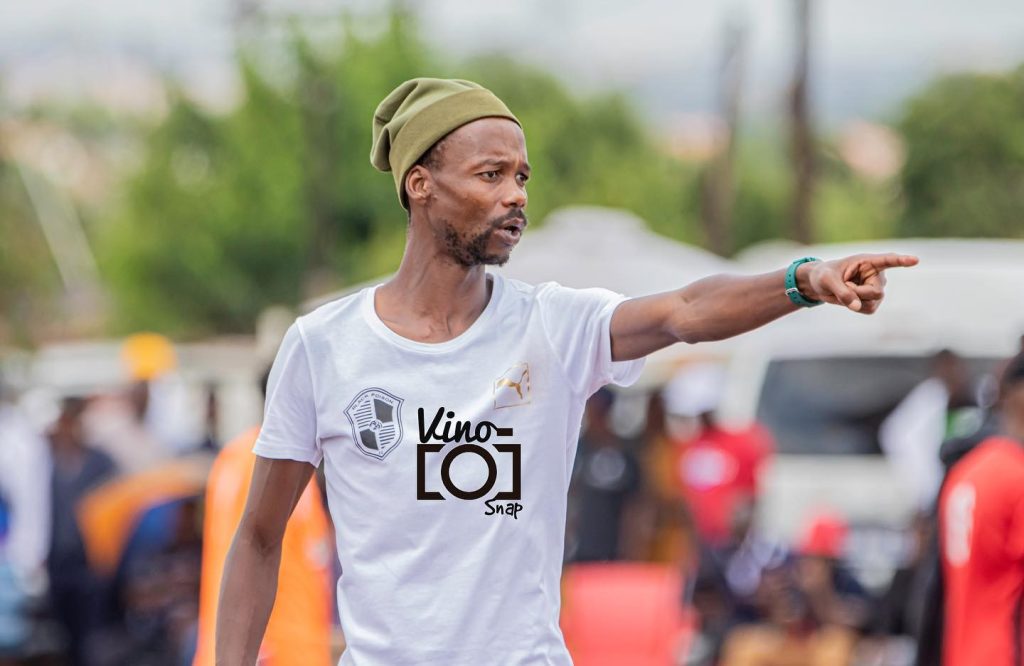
<point>432,298</point>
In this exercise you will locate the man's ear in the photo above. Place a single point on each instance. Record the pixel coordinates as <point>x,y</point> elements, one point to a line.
<point>418,184</point>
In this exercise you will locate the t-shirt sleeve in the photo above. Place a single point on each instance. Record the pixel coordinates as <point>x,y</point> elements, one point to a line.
<point>289,427</point>
<point>578,324</point>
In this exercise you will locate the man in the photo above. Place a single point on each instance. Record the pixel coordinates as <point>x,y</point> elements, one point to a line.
<point>715,469</point>
<point>446,403</point>
<point>934,411</point>
<point>981,531</point>
<point>76,592</point>
<point>24,522</point>
<point>606,492</point>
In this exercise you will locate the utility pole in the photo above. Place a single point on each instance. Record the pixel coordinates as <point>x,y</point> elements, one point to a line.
<point>84,295</point>
<point>718,190</point>
<point>802,145</point>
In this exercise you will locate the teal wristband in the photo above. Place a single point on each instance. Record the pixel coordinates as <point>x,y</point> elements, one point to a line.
<point>791,289</point>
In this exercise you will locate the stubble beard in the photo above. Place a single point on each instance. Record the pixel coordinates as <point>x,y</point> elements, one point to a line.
<point>472,251</point>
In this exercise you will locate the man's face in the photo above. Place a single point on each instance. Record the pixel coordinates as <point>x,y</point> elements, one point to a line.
<point>1013,410</point>
<point>476,192</point>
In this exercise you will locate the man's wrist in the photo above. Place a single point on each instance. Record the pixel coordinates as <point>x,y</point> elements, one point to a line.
<point>803,280</point>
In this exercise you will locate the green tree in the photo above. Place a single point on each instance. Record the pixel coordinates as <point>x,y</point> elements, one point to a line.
<point>29,284</point>
<point>277,201</point>
<point>964,174</point>
<point>231,214</point>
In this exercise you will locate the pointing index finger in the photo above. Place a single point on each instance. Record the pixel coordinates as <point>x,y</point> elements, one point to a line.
<point>893,260</point>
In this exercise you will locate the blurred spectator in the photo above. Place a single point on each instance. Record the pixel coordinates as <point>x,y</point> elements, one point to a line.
<point>900,608</point>
<point>930,623</point>
<point>790,635</point>
<point>606,487</point>
<point>157,589</point>
<point>299,630</point>
<point>981,537</point>
<point>669,530</point>
<point>832,592</point>
<point>727,582</point>
<point>75,591</point>
<point>24,495</point>
<point>24,525</point>
<point>210,441</point>
<point>154,418</point>
<point>932,412</point>
<point>716,469</point>
<point>152,363</point>
<point>116,425</point>
<point>807,610</point>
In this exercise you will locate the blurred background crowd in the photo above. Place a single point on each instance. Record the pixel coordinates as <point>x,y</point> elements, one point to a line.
<point>177,183</point>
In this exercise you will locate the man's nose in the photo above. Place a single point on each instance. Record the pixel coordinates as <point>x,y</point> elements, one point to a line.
<point>515,197</point>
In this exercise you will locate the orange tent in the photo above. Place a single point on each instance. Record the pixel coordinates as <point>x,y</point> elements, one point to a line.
<point>109,514</point>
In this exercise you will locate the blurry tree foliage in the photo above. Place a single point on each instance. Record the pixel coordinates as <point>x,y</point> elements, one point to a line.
<point>28,276</point>
<point>277,201</point>
<point>964,174</point>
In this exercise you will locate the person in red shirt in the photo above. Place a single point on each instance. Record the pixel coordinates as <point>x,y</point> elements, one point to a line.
<point>715,469</point>
<point>981,532</point>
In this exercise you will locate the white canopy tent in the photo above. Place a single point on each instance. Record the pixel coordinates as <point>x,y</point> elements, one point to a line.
<point>601,247</point>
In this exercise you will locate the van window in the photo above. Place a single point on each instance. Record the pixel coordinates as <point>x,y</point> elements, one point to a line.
<point>835,405</point>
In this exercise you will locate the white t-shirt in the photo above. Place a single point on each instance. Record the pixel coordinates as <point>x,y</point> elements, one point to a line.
<point>447,467</point>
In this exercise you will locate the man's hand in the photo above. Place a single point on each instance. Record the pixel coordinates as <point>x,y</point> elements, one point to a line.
<point>856,282</point>
<point>722,306</point>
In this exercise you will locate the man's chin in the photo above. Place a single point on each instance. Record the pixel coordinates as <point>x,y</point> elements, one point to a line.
<point>498,259</point>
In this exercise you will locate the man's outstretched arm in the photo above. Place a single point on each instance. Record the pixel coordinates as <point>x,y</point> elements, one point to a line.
<point>250,571</point>
<point>722,306</point>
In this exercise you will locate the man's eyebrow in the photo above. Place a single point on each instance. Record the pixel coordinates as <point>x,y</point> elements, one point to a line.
<point>498,162</point>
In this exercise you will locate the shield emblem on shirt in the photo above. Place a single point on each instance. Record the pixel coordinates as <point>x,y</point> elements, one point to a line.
<point>376,418</point>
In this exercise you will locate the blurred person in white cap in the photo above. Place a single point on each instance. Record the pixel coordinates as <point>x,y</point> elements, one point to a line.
<point>716,469</point>
<point>446,403</point>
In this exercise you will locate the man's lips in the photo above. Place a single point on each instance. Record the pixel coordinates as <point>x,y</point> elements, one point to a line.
<point>509,231</point>
<point>509,235</point>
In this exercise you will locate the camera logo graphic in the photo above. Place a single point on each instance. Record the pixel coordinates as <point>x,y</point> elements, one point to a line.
<point>472,441</point>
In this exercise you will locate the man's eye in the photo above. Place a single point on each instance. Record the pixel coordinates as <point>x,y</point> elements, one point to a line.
<point>523,178</point>
<point>490,175</point>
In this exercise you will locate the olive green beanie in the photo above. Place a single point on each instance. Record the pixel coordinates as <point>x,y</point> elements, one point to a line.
<point>419,113</point>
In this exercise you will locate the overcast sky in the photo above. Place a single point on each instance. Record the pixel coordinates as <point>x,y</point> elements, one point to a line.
<point>869,53</point>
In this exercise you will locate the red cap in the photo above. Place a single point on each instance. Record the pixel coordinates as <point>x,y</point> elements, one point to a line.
<point>823,536</point>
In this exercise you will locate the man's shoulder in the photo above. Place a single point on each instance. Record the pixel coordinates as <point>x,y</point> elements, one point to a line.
<point>996,461</point>
<point>555,293</point>
<point>329,315</point>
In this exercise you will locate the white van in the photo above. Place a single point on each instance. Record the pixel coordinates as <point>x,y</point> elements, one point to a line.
<point>824,380</point>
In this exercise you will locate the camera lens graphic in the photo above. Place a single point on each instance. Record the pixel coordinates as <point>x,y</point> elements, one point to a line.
<point>446,466</point>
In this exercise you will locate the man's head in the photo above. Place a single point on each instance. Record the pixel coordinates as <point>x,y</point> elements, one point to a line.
<point>1011,398</point>
<point>67,430</point>
<point>459,160</point>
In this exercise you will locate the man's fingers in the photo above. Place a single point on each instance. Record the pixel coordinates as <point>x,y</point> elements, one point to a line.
<point>866,292</point>
<point>843,292</point>
<point>892,260</point>
<point>870,307</point>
